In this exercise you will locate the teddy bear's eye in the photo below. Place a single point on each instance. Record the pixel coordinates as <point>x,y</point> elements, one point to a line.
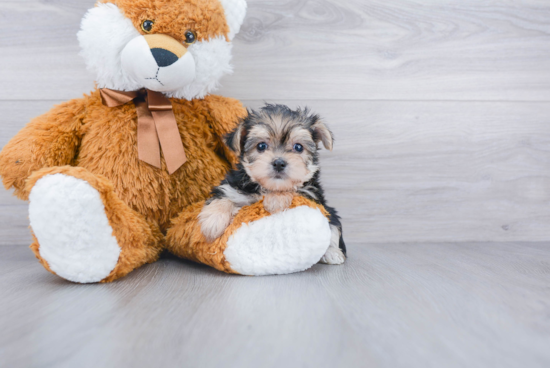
<point>147,26</point>
<point>190,37</point>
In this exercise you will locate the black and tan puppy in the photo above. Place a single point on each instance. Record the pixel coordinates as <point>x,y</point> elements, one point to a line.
<point>278,155</point>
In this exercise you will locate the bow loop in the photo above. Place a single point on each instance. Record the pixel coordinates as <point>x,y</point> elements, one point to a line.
<point>112,98</point>
<point>156,123</point>
<point>158,102</point>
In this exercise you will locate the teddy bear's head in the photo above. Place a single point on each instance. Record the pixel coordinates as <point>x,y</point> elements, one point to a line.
<point>179,47</point>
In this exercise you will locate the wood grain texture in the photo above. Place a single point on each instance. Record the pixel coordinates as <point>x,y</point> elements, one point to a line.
<point>392,305</point>
<point>320,49</point>
<point>407,171</point>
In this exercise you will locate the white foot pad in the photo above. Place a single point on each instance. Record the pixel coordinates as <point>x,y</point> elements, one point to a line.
<point>68,218</point>
<point>287,242</point>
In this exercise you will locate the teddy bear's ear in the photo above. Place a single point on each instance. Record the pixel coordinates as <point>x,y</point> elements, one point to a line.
<point>235,11</point>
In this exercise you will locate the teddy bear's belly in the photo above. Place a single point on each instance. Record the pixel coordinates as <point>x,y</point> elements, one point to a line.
<point>153,192</point>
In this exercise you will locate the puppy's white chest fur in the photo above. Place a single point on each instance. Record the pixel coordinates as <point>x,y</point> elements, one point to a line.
<point>275,202</point>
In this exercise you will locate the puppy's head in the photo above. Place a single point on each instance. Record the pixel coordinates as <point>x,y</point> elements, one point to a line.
<point>278,146</point>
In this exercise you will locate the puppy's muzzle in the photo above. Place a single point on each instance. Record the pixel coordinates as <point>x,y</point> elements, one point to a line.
<point>279,165</point>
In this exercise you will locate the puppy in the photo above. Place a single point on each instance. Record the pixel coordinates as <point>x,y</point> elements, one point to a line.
<point>278,155</point>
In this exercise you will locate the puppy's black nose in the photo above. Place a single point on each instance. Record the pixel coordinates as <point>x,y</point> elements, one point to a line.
<point>279,164</point>
<point>164,57</point>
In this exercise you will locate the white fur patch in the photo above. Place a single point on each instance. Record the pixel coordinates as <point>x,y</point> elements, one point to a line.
<point>105,32</point>
<point>237,197</point>
<point>68,218</point>
<point>216,217</point>
<point>334,255</point>
<point>212,62</point>
<point>235,11</point>
<point>138,62</point>
<point>287,242</point>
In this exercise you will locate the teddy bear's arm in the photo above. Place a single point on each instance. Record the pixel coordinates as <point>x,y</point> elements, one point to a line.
<point>49,140</point>
<point>225,115</point>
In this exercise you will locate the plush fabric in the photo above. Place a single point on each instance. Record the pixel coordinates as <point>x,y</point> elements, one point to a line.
<point>186,240</point>
<point>140,240</point>
<point>174,18</point>
<point>101,51</point>
<point>67,215</point>
<point>89,141</point>
<point>235,11</point>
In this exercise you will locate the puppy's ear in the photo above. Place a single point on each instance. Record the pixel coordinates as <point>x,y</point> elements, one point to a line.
<point>235,139</point>
<point>322,134</point>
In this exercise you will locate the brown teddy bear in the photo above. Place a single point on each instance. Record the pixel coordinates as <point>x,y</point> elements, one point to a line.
<point>120,175</point>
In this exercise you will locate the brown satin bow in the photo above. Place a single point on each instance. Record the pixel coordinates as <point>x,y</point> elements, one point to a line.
<point>156,123</point>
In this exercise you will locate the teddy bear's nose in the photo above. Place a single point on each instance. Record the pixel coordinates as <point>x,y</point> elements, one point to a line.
<point>165,49</point>
<point>164,57</point>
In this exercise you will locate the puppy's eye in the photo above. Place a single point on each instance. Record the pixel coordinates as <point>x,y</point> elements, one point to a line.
<point>190,37</point>
<point>298,148</point>
<point>262,146</point>
<point>147,26</point>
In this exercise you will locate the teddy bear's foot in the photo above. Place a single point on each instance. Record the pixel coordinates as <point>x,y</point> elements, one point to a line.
<point>287,242</point>
<point>256,243</point>
<point>83,232</point>
<point>68,218</point>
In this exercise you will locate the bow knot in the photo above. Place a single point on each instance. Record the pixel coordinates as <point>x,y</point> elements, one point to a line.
<point>156,123</point>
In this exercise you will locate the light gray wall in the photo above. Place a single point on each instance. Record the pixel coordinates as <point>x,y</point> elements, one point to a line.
<point>440,108</point>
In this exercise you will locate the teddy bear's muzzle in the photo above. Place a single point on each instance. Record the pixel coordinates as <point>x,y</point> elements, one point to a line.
<point>158,62</point>
<point>165,49</point>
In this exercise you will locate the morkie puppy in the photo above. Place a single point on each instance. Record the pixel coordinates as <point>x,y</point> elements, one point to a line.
<point>278,155</point>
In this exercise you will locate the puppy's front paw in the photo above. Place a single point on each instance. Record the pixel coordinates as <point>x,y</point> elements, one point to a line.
<point>333,256</point>
<point>215,218</point>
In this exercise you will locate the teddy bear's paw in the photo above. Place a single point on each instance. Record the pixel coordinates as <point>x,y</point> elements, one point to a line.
<point>290,241</point>
<point>68,218</point>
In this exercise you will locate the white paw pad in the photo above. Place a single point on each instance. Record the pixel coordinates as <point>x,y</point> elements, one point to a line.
<point>287,242</point>
<point>68,218</point>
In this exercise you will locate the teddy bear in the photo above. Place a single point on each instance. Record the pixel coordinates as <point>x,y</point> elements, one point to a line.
<point>119,176</point>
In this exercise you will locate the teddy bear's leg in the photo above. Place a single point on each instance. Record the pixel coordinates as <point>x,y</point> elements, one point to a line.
<point>256,243</point>
<point>83,232</point>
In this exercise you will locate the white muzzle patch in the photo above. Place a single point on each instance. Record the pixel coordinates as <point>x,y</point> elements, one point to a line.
<point>156,71</point>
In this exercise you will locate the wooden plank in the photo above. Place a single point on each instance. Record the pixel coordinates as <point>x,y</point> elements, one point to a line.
<point>391,305</point>
<point>14,220</point>
<point>324,49</point>
<point>40,50</point>
<point>412,171</point>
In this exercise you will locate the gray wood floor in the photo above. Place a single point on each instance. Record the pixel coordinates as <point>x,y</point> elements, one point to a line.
<point>391,305</point>
<point>441,171</point>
